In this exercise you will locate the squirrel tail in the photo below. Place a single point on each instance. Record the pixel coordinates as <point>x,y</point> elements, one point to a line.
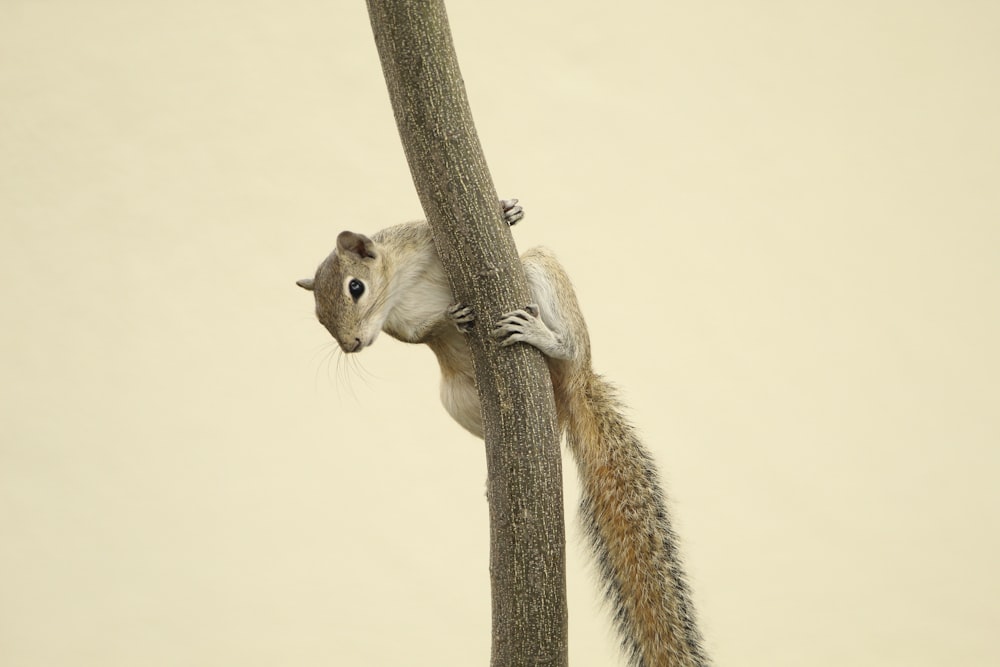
<point>624,514</point>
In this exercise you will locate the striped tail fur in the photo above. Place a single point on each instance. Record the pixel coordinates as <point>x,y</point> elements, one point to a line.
<point>624,515</point>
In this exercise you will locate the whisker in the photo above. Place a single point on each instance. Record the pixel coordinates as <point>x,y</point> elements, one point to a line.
<point>330,350</point>
<point>379,301</point>
<point>345,363</point>
<point>360,372</point>
<point>348,367</point>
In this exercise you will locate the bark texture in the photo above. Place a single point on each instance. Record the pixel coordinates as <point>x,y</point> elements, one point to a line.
<point>527,536</point>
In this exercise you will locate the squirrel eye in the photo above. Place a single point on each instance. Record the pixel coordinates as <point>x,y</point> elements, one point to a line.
<point>356,288</point>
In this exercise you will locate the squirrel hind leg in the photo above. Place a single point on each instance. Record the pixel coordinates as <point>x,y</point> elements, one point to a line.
<point>525,325</point>
<point>553,324</point>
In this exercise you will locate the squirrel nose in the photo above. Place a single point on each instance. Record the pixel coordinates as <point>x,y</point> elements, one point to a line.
<point>349,345</point>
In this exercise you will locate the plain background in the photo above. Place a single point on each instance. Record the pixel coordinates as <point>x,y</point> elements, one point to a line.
<point>783,220</point>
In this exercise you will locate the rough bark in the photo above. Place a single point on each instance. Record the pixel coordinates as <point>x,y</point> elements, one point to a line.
<point>527,537</point>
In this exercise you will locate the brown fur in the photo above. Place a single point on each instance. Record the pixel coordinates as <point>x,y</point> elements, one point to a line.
<point>622,507</point>
<point>625,517</point>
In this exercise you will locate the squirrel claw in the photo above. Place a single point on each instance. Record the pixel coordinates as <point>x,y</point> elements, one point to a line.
<point>512,213</point>
<point>463,316</point>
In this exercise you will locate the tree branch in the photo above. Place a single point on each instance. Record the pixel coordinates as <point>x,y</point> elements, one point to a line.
<point>527,538</point>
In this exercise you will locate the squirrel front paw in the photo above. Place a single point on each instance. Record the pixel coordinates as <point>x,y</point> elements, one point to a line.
<point>462,316</point>
<point>512,213</point>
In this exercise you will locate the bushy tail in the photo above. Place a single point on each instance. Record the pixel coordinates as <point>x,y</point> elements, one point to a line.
<point>623,511</point>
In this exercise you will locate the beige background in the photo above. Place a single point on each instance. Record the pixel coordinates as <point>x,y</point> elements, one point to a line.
<point>784,224</point>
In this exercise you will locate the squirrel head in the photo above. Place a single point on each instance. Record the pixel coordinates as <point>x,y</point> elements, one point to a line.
<point>350,297</point>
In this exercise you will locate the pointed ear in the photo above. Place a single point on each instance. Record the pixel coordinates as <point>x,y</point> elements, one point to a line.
<point>305,283</point>
<point>357,244</point>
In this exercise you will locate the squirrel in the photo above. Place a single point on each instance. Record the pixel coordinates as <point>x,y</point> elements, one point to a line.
<point>395,282</point>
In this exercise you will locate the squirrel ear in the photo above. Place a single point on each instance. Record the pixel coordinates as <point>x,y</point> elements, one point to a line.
<point>359,244</point>
<point>305,283</point>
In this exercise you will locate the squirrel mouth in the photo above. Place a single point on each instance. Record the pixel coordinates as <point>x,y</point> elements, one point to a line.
<point>356,344</point>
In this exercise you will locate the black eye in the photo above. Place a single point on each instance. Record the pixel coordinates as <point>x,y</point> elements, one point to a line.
<point>356,288</point>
